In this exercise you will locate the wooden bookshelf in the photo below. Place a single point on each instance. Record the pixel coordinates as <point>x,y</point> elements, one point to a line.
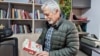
<point>79,7</point>
<point>34,23</point>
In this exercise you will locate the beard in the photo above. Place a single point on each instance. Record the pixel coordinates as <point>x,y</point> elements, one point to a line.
<point>50,22</point>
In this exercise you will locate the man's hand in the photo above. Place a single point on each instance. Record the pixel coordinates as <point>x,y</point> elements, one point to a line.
<point>43,53</point>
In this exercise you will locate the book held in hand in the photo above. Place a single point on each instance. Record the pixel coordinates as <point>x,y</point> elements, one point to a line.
<point>31,46</point>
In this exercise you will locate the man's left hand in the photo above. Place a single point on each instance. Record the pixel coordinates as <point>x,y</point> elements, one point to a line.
<point>43,53</point>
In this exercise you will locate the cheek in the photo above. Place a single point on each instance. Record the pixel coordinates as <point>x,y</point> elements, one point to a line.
<point>54,18</point>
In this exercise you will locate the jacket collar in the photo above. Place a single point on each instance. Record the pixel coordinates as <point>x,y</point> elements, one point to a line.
<point>58,23</point>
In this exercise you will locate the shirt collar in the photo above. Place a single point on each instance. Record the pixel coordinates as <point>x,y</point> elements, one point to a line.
<point>58,23</point>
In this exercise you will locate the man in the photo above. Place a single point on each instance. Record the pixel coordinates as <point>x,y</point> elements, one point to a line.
<point>59,36</point>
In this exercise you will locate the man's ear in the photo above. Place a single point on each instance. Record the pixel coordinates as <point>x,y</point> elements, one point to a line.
<point>56,11</point>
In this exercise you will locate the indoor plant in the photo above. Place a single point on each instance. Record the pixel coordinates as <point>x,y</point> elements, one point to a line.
<point>65,6</point>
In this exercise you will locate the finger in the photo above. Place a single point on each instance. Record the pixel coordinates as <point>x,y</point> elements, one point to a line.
<point>44,55</point>
<point>40,54</point>
<point>36,54</point>
<point>30,52</point>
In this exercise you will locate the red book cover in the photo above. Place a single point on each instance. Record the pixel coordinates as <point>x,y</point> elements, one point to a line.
<point>31,46</point>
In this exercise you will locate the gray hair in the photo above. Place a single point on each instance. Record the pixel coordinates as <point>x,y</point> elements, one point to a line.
<point>51,4</point>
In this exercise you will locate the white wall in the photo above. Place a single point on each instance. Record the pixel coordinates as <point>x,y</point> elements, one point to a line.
<point>93,14</point>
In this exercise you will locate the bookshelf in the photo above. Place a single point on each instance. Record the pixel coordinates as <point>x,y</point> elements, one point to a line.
<point>80,21</point>
<point>18,13</point>
<point>22,19</point>
<point>79,25</point>
<point>79,7</point>
<point>12,16</point>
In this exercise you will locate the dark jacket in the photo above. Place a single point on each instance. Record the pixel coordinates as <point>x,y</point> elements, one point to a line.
<point>64,40</point>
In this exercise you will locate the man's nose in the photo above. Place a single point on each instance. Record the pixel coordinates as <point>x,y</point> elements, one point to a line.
<point>46,18</point>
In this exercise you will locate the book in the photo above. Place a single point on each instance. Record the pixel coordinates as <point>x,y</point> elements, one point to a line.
<point>38,14</point>
<point>35,14</point>
<point>31,46</point>
<point>42,16</point>
<point>3,13</point>
<point>25,29</point>
<point>20,14</point>
<point>79,28</point>
<point>8,11</point>
<point>13,13</point>
<point>37,1</point>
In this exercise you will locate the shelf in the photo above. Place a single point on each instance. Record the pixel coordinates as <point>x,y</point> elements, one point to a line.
<point>5,19</point>
<point>39,5</point>
<point>3,2</point>
<point>21,19</point>
<point>39,19</point>
<point>83,33</point>
<point>80,21</point>
<point>24,4</point>
<point>15,3</point>
<point>22,34</point>
<point>15,19</point>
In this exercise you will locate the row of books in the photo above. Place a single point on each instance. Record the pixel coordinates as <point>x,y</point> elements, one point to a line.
<point>3,14</point>
<point>38,14</point>
<point>20,14</point>
<point>17,28</point>
<point>22,1</point>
